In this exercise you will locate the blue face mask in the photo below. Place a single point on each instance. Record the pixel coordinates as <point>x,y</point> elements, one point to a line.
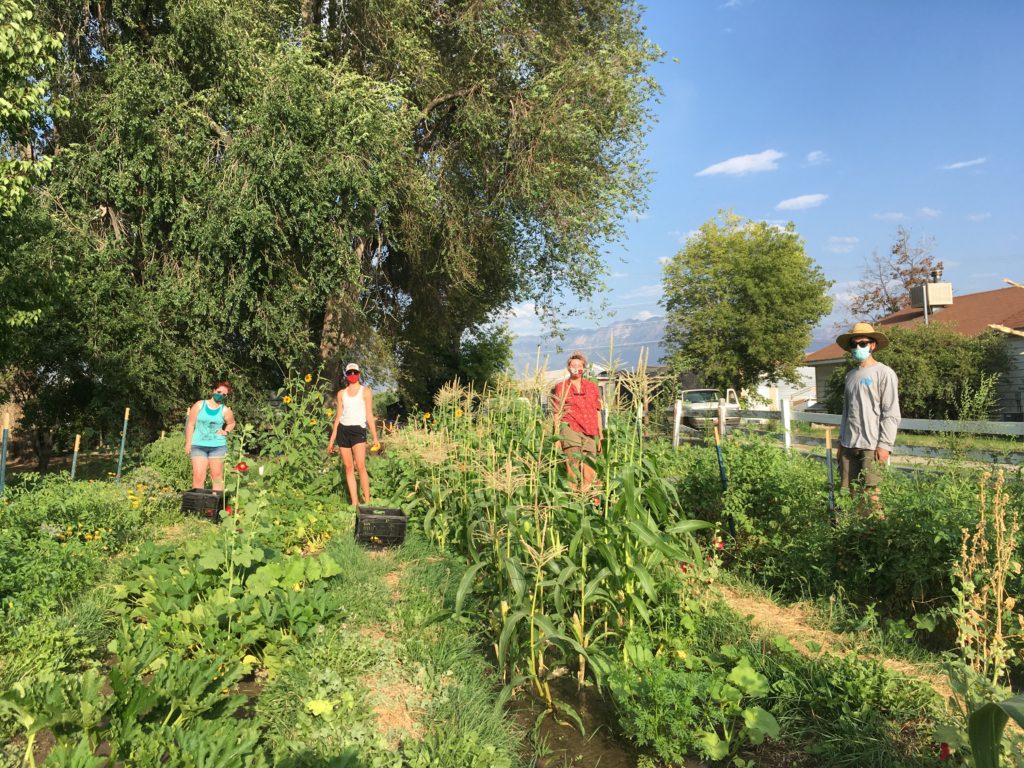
<point>860,354</point>
<point>220,397</point>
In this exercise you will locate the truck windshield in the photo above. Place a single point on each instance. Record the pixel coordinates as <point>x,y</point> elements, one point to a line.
<point>701,396</point>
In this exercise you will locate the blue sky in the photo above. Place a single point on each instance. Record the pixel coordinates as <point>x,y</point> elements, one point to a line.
<point>848,118</point>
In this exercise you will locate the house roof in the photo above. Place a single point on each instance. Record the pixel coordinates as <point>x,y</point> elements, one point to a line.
<point>970,315</point>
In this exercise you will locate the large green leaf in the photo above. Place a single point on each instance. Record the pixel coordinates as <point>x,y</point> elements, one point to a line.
<point>985,729</point>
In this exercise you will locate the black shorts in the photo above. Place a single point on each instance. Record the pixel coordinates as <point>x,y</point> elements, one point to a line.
<point>349,436</point>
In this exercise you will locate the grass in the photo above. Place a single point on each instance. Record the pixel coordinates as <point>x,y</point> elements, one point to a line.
<point>395,681</point>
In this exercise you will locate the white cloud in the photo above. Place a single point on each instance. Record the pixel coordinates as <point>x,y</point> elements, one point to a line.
<point>930,213</point>
<point>523,320</point>
<point>817,157</point>
<point>683,237</point>
<point>618,275</point>
<point>652,291</point>
<point>842,244</point>
<point>644,315</point>
<point>979,216</point>
<point>744,164</point>
<point>965,164</point>
<point>636,215</point>
<point>663,260</point>
<point>890,216</point>
<point>802,202</point>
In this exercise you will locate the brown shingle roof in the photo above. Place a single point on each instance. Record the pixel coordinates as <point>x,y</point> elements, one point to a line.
<point>969,315</point>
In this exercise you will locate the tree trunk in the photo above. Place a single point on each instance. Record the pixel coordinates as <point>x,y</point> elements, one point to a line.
<point>42,446</point>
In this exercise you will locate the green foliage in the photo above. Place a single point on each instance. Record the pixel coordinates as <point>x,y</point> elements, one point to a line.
<point>58,535</point>
<point>167,460</point>
<point>901,563</point>
<point>27,52</point>
<point>938,369</point>
<point>741,300</point>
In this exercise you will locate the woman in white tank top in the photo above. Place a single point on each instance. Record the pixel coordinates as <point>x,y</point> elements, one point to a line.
<point>353,416</point>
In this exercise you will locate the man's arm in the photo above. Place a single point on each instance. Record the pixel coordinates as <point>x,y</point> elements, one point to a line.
<point>889,415</point>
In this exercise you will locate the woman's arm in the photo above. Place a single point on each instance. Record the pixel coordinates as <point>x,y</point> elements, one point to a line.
<point>371,422</point>
<point>190,426</point>
<point>337,420</point>
<point>229,422</point>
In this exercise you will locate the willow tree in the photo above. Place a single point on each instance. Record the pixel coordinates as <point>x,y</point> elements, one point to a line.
<point>243,187</point>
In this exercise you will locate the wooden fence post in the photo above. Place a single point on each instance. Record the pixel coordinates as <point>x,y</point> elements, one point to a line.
<point>721,416</point>
<point>677,420</point>
<point>787,424</point>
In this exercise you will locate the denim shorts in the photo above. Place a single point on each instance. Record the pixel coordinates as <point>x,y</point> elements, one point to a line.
<point>205,452</point>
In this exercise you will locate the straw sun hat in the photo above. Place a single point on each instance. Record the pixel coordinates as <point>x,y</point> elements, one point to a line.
<point>863,329</point>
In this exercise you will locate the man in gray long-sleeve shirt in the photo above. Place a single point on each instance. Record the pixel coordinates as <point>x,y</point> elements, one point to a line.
<point>871,409</point>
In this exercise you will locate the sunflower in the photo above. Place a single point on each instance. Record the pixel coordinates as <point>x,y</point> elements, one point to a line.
<point>286,399</point>
<point>307,378</point>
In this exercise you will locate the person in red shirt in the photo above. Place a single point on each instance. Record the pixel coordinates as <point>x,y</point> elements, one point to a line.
<point>576,405</point>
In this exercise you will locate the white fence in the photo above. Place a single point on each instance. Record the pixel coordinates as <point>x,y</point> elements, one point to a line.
<point>787,416</point>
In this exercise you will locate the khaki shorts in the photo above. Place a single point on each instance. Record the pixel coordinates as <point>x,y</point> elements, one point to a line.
<point>858,464</point>
<point>576,442</point>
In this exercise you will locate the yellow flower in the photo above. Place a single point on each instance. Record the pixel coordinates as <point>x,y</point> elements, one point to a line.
<point>312,422</point>
<point>308,378</point>
<point>458,412</point>
<point>426,416</point>
<point>286,399</point>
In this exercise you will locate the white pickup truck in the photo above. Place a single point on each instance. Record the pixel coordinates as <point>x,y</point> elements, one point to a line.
<point>700,408</point>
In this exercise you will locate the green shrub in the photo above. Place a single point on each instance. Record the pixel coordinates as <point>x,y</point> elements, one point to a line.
<point>167,458</point>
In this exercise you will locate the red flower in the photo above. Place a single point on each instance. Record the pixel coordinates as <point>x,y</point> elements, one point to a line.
<point>944,751</point>
<point>719,545</point>
<point>241,467</point>
<point>229,511</point>
<point>683,567</point>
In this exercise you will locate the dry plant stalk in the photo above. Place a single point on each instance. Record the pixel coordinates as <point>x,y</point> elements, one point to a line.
<point>642,386</point>
<point>433,448</point>
<point>988,629</point>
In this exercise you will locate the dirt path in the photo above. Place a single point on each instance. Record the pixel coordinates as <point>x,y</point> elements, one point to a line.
<point>793,623</point>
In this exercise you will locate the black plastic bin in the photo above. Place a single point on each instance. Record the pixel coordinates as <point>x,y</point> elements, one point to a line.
<point>203,503</point>
<point>380,526</point>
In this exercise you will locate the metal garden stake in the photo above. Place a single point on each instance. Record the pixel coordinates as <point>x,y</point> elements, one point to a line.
<point>74,456</point>
<point>124,434</point>
<point>3,451</point>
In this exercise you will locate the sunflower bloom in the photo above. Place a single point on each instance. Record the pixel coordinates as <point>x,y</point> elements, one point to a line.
<point>307,378</point>
<point>286,399</point>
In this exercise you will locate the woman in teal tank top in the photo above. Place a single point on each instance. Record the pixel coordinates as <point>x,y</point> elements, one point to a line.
<point>206,441</point>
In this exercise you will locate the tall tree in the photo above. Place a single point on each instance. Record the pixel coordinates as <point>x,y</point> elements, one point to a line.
<point>245,186</point>
<point>886,281</point>
<point>741,300</point>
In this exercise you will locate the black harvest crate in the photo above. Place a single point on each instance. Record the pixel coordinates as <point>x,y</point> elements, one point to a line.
<point>203,503</point>
<point>380,526</point>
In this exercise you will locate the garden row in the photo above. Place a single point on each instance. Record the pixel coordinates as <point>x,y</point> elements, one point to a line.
<point>612,587</point>
<point>271,639</point>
